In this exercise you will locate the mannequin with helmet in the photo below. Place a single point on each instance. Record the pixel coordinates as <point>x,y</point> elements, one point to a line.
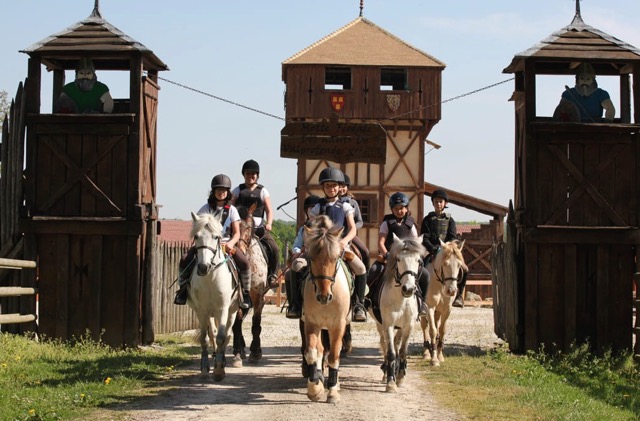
<point>341,214</point>
<point>218,202</point>
<point>357,217</point>
<point>85,94</point>
<point>585,102</point>
<point>438,226</point>
<point>401,223</point>
<point>245,195</point>
<point>299,269</point>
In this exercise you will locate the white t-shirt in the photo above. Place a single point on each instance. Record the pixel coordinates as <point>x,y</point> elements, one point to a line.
<point>264,193</point>
<point>226,225</point>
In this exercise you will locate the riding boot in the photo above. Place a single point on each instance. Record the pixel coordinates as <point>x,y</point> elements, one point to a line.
<point>423,281</point>
<point>294,311</point>
<point>359,313</point>
<point>245,281</point>
<point>182,293</point>
<point>459,301</point>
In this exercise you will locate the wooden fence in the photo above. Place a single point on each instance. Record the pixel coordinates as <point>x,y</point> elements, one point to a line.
<point>13,291</point>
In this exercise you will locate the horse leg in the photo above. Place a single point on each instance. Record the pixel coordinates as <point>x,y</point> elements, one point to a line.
<point>441,332</point>
<point>347,347</point>
<point>432,334</point>
<point>383,352</point>
<point>222,339</point>
<point>315,385</point>
<point>424,325</point>
<point>402,353</point>
<point>392,364</point>
<point>204,354</point>
<point>256,329</point>
<point>303,347</point>
<point>238,341</point>
<point>333,384</point>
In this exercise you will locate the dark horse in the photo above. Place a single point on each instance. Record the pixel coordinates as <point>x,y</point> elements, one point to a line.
<point>250,245</point>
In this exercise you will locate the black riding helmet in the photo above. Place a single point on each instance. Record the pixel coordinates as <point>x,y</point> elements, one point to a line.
<point>331,174</point>
<point>251,165</point>
<point>221,180</point>
<point>311,201</point>
<point>347,180</point>
<point>440,193</point>
<point>398,198</point>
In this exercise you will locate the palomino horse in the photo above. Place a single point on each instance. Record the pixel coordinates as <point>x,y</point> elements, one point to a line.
<point>398,306</point>
<point>250,246</point>
<point>211,294</point>
<point>325,306</point>
<point>445,270</point>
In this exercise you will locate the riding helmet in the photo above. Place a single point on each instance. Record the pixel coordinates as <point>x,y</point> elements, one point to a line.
<point>221,180</point>
<point>398,198</point>
<point>251,165</point>
<point>347,180</point>
<point>311,201</point>
<point>440,193</point>
<point>331,174</point>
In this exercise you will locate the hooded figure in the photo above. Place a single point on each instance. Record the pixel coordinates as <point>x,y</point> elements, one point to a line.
<point>85,94</point>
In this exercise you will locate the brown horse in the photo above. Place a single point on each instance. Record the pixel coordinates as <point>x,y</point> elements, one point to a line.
<point>325,306</point>
<point>250,246</point>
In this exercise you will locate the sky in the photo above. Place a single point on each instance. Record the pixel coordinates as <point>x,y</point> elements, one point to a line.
<point>235,49</point>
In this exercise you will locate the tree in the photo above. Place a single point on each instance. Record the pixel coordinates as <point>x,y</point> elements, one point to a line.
<point>284,234</point>
<point>5,104</point>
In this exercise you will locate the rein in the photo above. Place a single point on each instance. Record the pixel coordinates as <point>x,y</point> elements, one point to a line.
<point>215,252</point>
<point>398,276</point>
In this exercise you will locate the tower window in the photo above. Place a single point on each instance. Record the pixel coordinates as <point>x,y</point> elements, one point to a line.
<point>337,78</point>
<point>393,79</point>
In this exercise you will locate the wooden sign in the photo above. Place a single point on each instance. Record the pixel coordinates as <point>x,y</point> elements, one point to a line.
<point>333,141</point>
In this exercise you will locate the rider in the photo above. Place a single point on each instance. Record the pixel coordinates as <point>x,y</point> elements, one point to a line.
<point>298,266</point>
<point>438,226</point>
<point>85,94</point>
<point>401,223</point>
<point>218,201</point>
<point>345,196</point>
<point>341,214</point>
<point>251,192</point>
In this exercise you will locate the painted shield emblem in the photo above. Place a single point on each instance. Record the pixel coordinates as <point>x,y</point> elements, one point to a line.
<point>337,102</point>
<point>393,101</point>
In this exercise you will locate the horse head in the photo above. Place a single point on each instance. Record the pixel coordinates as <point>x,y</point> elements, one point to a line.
<point>323,249</point>
<point>448,266</point>
<point>247,227</point>
<point>206,232</point>
<point>405,263</point>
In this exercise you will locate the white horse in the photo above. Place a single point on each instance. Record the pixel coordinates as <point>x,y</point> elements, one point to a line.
<point>211,293</point>
<point>398,306</point>
<point>445,272</point>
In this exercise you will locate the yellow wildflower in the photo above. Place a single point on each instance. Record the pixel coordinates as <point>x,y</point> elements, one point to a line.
<point>107,380</point>
<point>32,412</point>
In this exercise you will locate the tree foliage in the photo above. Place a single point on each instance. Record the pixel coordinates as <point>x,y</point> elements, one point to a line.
<point>5,104</point>
<point>284,234</point>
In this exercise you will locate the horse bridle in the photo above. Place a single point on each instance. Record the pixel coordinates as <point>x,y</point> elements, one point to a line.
<point>398,276</point>
<point>215,252</point>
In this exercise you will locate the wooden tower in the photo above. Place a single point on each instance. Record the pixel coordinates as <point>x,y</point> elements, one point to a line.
<point>90,211</point>
<point>362,100</point>
<point>576,215</point>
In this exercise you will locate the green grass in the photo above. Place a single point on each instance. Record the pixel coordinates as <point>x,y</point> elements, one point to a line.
<point>50,380</point>
<point>503,386</point>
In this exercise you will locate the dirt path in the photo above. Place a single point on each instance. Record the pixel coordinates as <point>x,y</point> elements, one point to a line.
<point>274,389</point>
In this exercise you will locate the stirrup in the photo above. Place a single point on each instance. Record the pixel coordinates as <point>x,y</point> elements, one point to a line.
<point>293,313</point>
<point>245,301</point>
<point>181,297</point>
<point>359,315</point>
<point>458,302</point>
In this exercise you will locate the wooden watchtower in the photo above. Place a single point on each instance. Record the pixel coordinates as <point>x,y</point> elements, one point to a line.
<point>575,223</point>
<point>338,90</point>
<point>90,213</point>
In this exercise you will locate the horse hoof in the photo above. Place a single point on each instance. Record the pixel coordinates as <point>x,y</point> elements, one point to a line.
<point>426,356</point>
<point>315,391</point>
<point>254,357</point>
<point>384,379</point>
<point>400,381</point>
<point>218,374</point>
<point>333,396</point>
<point>236,362</point>
<point>435,363</point>
<point>392,387</point>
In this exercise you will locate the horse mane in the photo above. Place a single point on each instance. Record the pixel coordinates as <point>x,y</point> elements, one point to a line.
<point>320,241</point>
<point>410,245</point>
<point>452,248</point>
<point>208,221</point>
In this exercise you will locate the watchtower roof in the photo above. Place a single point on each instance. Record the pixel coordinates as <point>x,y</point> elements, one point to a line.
<point>363,43</point>
<point>578,42</point>
<point>94,37</point>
